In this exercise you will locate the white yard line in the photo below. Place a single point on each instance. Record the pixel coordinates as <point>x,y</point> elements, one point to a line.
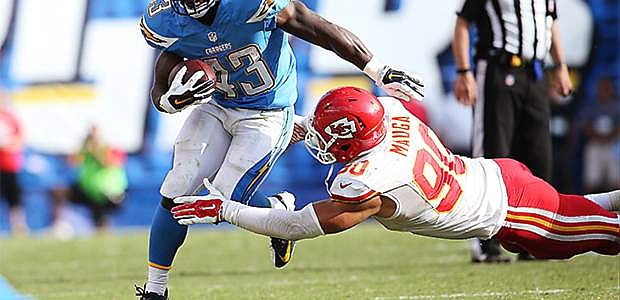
<point>470,295</point>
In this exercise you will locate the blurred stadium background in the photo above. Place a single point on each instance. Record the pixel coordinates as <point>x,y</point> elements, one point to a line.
<point>69,64</point>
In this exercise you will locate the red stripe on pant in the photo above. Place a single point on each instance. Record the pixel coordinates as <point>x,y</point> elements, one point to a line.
<point>526,190</point>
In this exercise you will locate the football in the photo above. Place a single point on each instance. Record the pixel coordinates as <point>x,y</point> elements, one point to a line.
<point>193,66</point>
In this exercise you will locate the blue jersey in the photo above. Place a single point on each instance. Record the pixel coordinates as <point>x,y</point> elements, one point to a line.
<point>253,61</point>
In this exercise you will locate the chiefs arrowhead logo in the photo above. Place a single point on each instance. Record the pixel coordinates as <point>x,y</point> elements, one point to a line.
<point>342,129</point>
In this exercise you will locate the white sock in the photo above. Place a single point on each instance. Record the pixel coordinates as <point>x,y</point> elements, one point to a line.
<point>609,201</point>
<point>157,280</point>
<point>476,250</point>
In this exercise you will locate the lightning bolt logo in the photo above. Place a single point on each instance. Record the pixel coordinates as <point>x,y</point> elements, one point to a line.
<point>149,35</point>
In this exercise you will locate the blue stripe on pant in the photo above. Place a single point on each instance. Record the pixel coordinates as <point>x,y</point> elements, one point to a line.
<point>245,191</point>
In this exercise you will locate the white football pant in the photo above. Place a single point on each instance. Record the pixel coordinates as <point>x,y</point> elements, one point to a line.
<point>234,148</point>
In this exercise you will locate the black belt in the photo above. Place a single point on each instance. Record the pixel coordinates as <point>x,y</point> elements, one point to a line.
<point>508,59</point>
<point>533,66</point>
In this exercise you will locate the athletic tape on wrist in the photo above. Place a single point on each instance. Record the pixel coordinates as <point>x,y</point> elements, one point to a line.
<point>373,69</point>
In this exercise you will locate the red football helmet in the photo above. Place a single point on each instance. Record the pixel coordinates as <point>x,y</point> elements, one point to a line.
<point>346,122</point>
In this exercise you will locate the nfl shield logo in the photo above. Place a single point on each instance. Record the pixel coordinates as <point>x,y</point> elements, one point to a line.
<point>212,37</point>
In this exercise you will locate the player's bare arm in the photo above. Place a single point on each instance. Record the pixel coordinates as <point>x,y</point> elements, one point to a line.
<point>336,216</point>
<point>165,62</point>
<point>302,22</point>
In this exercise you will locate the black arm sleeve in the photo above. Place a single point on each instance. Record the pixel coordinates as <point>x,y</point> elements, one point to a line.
<point>472,10</point>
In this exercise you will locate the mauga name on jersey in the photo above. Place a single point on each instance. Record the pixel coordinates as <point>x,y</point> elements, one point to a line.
<point>436,193</point>
<point>252,58</point>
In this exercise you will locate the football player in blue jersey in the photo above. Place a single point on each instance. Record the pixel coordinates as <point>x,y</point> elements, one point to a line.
<point>235,137</point>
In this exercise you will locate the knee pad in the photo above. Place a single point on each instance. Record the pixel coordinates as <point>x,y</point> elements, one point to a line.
<point>179,180</point>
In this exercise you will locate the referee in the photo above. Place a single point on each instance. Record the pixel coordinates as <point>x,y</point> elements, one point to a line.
<point>508,89</point>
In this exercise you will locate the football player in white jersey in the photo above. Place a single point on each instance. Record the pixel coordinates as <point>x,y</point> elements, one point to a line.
<point>398,172</point>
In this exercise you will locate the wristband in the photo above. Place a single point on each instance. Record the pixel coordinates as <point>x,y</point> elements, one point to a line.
<point>462,71</point>
<point>373,69</point>
<point>164,104</point>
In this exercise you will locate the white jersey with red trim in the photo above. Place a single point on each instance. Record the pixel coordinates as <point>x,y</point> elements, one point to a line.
<point>436,193</point>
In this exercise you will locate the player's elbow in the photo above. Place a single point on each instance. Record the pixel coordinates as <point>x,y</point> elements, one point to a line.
<point>155,97</point>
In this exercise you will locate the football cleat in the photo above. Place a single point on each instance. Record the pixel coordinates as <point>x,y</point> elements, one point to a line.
<point>144,295</point>
<point>283,249</point>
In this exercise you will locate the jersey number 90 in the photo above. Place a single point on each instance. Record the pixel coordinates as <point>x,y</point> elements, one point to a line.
<point>443,168</point>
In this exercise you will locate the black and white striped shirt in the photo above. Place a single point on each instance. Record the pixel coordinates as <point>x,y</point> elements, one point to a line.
<point>521,27</point>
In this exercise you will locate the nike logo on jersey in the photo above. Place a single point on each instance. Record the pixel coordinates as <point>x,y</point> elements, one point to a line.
<point>345,185</point>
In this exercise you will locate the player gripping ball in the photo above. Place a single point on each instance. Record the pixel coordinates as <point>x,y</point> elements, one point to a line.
<point>190,82</point>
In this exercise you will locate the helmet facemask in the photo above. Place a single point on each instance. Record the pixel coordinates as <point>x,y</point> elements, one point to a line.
<point>317,146</point>
<point>193,8</point>
<point>336,142</point>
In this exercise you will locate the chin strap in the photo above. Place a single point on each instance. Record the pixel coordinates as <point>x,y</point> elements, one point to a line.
<point>329,175</point>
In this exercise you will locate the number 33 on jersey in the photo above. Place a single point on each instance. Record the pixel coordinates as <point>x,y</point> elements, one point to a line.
<point>253,61</point>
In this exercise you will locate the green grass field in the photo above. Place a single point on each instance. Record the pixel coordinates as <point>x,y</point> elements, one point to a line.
<point>365,263</point>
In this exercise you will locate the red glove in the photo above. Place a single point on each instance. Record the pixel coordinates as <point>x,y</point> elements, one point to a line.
<point>197,209</point>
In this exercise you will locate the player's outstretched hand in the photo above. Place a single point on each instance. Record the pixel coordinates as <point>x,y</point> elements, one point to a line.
<point>198,209</point>
<point>401,84</point>
<point>181,95</point>
<point>299,129</point>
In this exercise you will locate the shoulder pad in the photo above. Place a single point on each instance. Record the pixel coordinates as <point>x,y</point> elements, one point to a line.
<point>251,11</point>
<point>154,34</point>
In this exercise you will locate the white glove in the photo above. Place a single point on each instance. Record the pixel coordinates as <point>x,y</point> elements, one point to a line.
<point>181,95</point>
<point>300,125</point>
<point>399,84</point>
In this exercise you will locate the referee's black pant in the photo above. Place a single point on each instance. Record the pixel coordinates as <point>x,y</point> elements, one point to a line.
<point>511,119</point>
